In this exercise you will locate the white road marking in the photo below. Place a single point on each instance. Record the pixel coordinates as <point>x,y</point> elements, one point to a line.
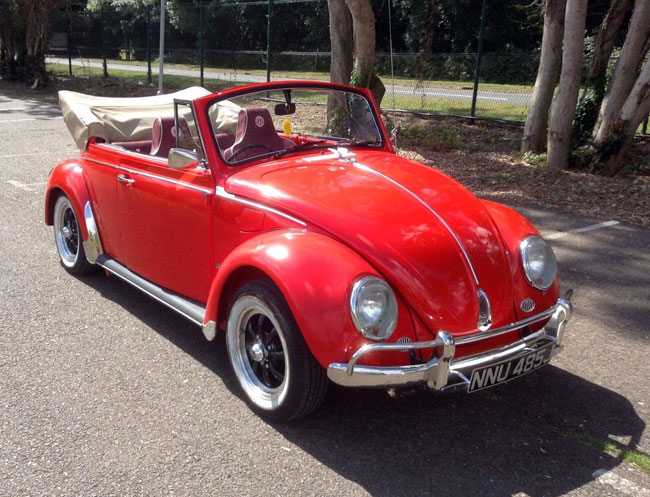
<point>621,484</point>
<point>591,227</point>
<point>27,187</point>
<point>417,93</point>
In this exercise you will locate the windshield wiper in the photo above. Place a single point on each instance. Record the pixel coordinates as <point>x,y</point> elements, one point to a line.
<point>303,146</point>
<point>354,143</point>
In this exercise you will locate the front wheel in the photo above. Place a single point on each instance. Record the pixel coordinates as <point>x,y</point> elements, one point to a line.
<point>67,236</point>
<point>280,377</point>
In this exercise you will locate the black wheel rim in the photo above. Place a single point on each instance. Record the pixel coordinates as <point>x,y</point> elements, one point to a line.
<point>265,352</point>
<point>72,238</point>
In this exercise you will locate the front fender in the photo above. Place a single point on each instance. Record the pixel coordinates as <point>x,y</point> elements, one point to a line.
<point>514,228</point>
<point>314,274</point>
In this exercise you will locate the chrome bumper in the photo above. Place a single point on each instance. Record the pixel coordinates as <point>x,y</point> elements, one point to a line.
<point>442,372</point>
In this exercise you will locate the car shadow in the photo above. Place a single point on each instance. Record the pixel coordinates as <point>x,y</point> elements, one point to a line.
<point>535,435</point>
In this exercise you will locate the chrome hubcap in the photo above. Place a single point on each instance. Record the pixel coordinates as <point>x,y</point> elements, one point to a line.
<point>257,352</point>
<point>67,232</point>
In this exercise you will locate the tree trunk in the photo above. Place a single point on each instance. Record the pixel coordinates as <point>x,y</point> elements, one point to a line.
<point>594,85</point>
<point>534,139</point>
<point>627,68</point>
<point>363,26</point>
<point>564,105</point>
<point>607,37</point>
<point>341,41</point>
<point>620,133</point>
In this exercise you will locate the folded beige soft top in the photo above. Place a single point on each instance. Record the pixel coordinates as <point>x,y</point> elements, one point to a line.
<point>120,119</point>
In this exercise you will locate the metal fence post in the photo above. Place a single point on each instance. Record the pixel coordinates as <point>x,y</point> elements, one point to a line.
<point>479,53</point>
<point>268,42</point>
<point>161,47</point>
<point>201,60</point>
<point>149,44</point>
<point>69,45</point>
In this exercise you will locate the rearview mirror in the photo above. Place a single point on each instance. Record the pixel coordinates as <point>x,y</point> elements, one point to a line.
<point>180,158</point>
<point>285,109</point>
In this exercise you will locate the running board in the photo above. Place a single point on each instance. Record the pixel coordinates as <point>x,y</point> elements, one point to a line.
<point>188,308</point>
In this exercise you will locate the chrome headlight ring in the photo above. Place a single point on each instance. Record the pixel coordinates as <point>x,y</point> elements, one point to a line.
<point>373,307</point>
<point>538,260</point>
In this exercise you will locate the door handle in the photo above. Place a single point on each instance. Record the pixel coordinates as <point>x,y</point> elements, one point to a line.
<point>122,178</point>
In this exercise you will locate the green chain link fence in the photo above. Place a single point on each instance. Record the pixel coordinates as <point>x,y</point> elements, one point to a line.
<point>239,42</point>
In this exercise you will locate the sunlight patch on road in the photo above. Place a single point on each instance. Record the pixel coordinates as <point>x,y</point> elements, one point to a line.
<point>591,227</point>
<point>621,484</point>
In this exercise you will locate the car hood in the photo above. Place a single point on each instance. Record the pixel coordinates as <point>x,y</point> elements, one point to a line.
<point>430,237</point>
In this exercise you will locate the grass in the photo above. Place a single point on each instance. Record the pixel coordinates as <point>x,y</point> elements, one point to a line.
<point>324,76</point>
<point>509,112</point>
<point>172,82</point>
<point>636,457</point>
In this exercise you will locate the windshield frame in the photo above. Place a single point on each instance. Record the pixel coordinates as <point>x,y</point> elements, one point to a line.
<point>382,143</point>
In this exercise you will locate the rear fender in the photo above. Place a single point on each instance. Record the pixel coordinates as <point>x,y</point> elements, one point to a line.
<point>314,274</point>
<point>68,178</point>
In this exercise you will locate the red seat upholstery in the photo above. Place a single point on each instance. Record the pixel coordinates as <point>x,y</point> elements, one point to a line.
<point>255,136</point>
<point>163,138</point>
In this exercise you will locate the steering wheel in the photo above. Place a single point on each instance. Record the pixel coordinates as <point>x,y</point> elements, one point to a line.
<point>249,147</point>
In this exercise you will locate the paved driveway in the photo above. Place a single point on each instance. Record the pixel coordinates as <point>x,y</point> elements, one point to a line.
<point>105,392</point>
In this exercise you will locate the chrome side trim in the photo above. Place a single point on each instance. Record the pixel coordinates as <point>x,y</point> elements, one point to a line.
<point>167,180</point>
<point>152,176</point>
<point>93,246</point>
<point>428,207</point>
<point>210,330</point>
<point>220,192</point>
<point>101,163</point>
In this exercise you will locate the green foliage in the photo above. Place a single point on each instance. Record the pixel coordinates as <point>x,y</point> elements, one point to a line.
<point>587,111</point>
<point>534,159</point>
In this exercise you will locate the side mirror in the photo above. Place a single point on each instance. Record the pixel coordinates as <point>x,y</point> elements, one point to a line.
<point>180,158</point>
<point>394,134</point>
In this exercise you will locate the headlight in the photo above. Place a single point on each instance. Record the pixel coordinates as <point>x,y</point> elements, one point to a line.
<point>374,308</point>
<point>539,262</point>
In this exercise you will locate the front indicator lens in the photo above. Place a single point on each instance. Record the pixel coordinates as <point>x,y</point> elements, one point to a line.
<point>374,308</point>
<point>539,262</point>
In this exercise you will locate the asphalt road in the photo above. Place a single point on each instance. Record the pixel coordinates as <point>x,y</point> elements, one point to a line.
<point>240,77</point>
<point>105,392</point>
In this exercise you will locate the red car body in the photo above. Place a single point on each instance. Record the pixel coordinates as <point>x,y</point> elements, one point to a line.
<point>311,223</point>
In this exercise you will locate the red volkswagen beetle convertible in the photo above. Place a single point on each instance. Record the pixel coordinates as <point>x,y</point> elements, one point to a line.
<point>280,215</point>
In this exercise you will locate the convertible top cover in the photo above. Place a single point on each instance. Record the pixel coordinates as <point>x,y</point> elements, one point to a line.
<point>118,119</point>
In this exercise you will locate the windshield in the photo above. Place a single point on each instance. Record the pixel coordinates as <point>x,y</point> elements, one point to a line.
<point>279,122</point>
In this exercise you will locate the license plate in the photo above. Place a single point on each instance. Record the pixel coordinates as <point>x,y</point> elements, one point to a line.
<point>510,369</point>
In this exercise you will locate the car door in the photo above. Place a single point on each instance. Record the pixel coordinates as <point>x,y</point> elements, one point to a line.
<point>165,223</point>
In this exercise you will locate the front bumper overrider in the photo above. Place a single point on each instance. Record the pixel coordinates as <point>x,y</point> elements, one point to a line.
<point>442,372</point>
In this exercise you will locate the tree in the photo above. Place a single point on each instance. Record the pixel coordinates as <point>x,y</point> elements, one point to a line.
<point>357,45</point>
<point>24,35</point>
<point>596,79</point>
<point>627,68</point>
<point>619,135</point>
<point>564,104</point>
<point>534,139</point>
